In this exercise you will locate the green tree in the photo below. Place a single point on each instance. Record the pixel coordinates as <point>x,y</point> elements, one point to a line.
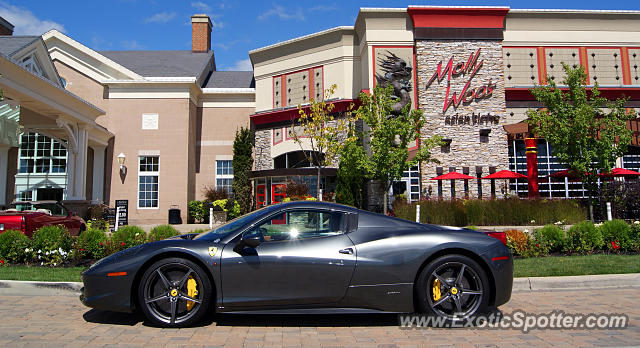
<point>321,134</point>
<point>588,132</point>
<point>242,165</point>
<point>352,172</point>
<point>389,136</point>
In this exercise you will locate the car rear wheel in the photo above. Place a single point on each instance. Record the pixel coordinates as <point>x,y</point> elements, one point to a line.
<point>454,287</point>
<point>174,292</point>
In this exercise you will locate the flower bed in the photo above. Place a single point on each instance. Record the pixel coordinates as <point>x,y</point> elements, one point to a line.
<point>614,236</point>
<point>54,246</point>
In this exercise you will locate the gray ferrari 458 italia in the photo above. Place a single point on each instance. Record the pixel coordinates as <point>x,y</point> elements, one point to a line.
<point>304,255</point>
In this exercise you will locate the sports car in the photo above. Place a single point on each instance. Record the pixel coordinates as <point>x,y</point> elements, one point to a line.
<point>303,255</point>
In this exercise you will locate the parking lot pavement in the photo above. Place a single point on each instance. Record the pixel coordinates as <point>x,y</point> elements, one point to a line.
<point>61,320</point>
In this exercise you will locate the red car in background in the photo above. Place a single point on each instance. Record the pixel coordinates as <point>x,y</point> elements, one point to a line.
<point>29,216</point>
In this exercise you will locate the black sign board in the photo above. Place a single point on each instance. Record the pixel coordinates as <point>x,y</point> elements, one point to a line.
<point>123,204</point>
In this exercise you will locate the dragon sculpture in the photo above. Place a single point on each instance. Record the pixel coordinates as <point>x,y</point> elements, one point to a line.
<point>397,74</point>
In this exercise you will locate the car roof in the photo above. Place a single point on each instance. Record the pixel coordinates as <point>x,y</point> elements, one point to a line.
<point>35,202</point>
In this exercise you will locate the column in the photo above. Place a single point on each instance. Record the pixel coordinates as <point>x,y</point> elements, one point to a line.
<point>531,145</point>
<point>98,173</point>
<point>4,167</point>
<point>80,166</point>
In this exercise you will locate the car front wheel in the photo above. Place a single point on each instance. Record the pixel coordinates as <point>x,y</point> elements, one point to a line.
<point>454,287</point>
<point>174,292</point>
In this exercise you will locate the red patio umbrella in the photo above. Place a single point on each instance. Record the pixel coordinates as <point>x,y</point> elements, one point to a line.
<point>621,172</point>
<point>567,173</point>
<point>453,176</point>
<point>505,174</point>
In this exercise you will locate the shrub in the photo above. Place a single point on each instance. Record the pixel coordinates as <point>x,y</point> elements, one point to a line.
<point>197,211</point>
<point>91,243</point>
<point>213,194</point>
<point>14,246</point>
<point>503,212</point>
<point>519,242</point>
<point>635,236</point>
<point>126,237</point>
<point>583,237</point>
<point>551,236</point>
<point>51,245</point>
<point>99,224</point>
<point>296,189</point>
<point>232,208</point>
<point>162,232</point>
<point>616,235</point>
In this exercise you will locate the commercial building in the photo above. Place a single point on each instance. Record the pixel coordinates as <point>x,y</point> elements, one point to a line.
<point>469,70</point>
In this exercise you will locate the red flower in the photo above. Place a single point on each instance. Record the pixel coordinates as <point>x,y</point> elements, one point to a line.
<point>1,262</point>
<point>615,245</point>
<point>100,243</point>
<point>123,243</point>
<point>537,245</point>
<point>81,249</point>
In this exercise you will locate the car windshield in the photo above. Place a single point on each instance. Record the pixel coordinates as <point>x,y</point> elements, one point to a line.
<point>230,227</point>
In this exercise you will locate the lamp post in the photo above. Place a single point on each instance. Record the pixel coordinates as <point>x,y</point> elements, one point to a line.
<point>121,158</point>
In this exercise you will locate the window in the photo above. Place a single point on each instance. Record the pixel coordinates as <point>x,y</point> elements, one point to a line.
<point>148,181</point>
<point>224,175</point>
<point>484,135</point>
<point>31,64</point>
<point>40,154</point>
<point>299,224</point>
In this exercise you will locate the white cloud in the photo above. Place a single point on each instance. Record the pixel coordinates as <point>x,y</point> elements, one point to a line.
<point>199,5</point>
<point>133,45</point>
<point>217,24</point>
<point>283,13</point>
<point>25,22</point>
<point>323,8</point>
<point>242,65</point>
<point>161,17</point>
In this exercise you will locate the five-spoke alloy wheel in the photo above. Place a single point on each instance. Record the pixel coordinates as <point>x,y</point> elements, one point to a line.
<point>174,292</point>
<point>454,287</point>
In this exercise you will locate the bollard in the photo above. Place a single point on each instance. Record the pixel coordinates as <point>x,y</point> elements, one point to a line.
<point>418,213</point>
<point>609,211</point>
<point>211,218</point>
<point>117,217</point>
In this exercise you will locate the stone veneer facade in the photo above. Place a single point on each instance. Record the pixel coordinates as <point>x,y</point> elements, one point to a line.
<point>467,153</point>
<point>262,150</point>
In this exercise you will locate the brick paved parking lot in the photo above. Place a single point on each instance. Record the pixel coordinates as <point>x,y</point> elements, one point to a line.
<point>61,320</point>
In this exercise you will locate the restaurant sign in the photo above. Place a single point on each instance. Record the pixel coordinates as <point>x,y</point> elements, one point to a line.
<point>467,69</point>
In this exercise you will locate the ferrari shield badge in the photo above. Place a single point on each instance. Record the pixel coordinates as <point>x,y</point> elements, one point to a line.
<point>213,251</point>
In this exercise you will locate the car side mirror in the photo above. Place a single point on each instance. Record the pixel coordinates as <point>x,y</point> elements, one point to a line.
<point>251,241</point>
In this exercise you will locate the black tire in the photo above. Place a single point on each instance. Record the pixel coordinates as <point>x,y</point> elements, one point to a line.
<point>461,295</point>
<point>163,301</point>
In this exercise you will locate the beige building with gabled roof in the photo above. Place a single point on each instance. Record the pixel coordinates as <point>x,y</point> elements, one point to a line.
<point>170,114</point>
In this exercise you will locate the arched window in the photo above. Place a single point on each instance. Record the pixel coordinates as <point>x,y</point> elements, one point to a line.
<point>294,159</point>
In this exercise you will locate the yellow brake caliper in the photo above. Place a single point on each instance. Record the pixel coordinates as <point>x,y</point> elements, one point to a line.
<point>435,290</point>
<point>192,291</point>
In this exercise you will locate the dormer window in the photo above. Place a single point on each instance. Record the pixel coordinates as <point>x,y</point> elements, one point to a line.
<point>30,63</point>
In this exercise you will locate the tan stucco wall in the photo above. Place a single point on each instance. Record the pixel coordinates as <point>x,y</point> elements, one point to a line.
<point>218,127</point>
<point>85,87</point>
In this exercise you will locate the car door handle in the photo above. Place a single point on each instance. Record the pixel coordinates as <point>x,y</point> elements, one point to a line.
<point>348,251</point>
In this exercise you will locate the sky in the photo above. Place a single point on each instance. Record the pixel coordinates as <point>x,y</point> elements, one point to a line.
<point>238,26</point>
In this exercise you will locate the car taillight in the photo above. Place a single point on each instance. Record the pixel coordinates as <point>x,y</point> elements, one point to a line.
<point>23,225</point>
<point>501,236</point>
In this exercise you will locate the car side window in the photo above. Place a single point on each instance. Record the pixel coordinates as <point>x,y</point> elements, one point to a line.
<point>298,225</point>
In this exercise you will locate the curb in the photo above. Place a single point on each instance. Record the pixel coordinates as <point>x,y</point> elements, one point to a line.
<point>602,281</point>
<point>30,286</point>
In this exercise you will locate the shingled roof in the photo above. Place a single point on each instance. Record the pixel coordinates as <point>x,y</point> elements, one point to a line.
<point>12,44</point>
<point>230,79</point>
<point>175,63</point>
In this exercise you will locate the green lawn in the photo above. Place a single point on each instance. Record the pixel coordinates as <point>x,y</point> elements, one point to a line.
<point>576,265</point>
<point>531,267</point>
<point>70,274</point>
